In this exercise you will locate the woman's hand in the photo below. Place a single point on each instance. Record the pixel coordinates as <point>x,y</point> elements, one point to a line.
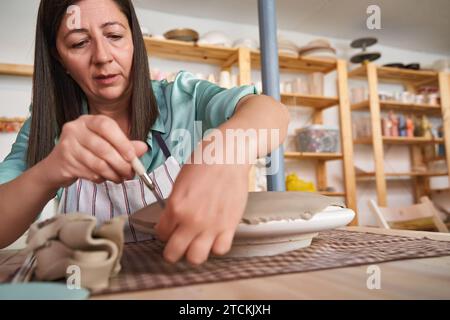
<point>203,211</point>
<point>93,147</point>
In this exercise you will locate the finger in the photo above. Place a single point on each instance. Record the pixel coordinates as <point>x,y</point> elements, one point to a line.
<point>178,243</point>
<point>140,147</point>
<point>78,170</point>
<point>110,131</point>
<point>165,227</point>
<point>104,150</point>
<point>84,172</point>
<point>223,242</point>
<point>199,248</point>
<point>170,218</point>
<point>95,164</point>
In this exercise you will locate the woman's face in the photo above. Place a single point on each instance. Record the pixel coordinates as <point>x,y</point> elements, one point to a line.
<point>98,51</point>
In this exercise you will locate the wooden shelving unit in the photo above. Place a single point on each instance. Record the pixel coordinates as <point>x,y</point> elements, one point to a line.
<point>319,104</point>
<point>246,60</point>
<point>411,81</point>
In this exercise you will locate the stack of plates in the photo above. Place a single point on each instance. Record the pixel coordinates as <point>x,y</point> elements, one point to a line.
<point>318,48</point>
<point>287,47</point>
<point>246,43</point>
<point>216,38</point>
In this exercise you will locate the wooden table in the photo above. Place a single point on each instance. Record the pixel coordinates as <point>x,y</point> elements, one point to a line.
<point>405,279</point>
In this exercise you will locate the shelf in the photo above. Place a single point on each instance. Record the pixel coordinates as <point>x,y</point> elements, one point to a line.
<point>312,156</point>
<point>439,190</point>
<point>401,174</point>
<point>397,75</point>
<point>298,64</point>
<point>400,106</point>
<point>226,57</point>
<point>21,70</point>
<point>189,51</point>
<point>401,140</point>
<point>332,194</point>
<point>318,102</point>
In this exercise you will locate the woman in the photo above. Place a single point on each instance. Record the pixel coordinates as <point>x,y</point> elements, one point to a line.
<point>94,110</point>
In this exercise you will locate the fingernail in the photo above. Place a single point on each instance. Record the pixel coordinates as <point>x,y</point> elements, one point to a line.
<point>130,155</point>
<point>170,259</point>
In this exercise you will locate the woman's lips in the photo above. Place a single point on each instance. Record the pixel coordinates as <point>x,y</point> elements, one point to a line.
<point>106,79</point>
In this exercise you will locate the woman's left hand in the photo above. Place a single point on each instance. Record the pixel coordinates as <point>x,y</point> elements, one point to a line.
<point>203,211</point>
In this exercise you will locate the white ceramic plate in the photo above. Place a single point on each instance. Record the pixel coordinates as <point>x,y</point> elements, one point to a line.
<point>275,237</point>
<point>330,218</point>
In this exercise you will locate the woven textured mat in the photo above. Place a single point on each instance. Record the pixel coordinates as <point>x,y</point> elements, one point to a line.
<point>143,267</point>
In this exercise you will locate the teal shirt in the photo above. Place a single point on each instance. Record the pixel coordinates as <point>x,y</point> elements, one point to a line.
<point>186,105</point>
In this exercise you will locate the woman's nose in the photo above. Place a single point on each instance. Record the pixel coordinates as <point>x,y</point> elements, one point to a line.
<point>101,54</point>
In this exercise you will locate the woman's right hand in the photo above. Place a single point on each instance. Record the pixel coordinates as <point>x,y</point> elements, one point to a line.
<point>92,147</point>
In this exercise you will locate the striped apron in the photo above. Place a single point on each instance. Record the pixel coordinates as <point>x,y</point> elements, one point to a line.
<point>108,199</point>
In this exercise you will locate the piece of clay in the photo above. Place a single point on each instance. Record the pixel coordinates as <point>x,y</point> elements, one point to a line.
<point>75,240</point>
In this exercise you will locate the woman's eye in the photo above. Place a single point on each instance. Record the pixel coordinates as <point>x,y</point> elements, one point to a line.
<point>115,36</point>
<point>79,44</point>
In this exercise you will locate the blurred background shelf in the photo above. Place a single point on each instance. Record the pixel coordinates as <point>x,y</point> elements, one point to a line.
<point>312,155</point>
<point>318,102</point>
<point>401,107</point>
<point>332,194</point>
<point>397,75</point>
<point>422,149</point>
<point>365,175</point>
<point>298,64</point>
<point>401,140</point>
<point>188,51</point>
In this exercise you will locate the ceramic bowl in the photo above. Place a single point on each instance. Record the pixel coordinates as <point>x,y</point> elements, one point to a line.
<point>183,34</point>
<point>216,38</point>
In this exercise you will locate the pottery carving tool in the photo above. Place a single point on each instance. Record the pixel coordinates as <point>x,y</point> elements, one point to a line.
<point>138,167</point>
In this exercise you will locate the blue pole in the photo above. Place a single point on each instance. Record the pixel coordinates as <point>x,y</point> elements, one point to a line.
<point>271,80</point>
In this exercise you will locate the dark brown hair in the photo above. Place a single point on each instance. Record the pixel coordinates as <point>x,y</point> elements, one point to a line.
<point>57,98</point>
